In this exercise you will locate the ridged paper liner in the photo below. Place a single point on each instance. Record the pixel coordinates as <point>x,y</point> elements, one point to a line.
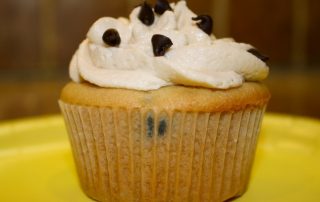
<point>144,155</point>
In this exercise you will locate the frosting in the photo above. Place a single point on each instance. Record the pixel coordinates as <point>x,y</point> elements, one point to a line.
<point>194,59</point>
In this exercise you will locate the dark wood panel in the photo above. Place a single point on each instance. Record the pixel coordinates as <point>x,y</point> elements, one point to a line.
<point>19,44</point>
<point>314,33</point>
<point>200,6</point>
<point>265,24</point>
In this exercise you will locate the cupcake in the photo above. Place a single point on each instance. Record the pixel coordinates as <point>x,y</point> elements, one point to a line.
<point>160,110</point>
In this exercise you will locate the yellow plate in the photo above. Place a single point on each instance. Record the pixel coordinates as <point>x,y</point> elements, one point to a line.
<point>36,162</point>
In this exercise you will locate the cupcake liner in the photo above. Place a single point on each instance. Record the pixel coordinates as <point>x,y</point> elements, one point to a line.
<point>157,155</point>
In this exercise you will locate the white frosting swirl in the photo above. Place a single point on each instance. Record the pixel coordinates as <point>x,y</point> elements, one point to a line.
<point>195,59</point>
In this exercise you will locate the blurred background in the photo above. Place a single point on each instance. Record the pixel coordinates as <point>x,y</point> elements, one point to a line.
<point>38,38</point>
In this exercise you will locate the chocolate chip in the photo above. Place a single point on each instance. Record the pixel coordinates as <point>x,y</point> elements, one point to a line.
<point>146,15</point>
<point>111,37</point>
<point>162,128</point>
<point>150,126</point>
<point>160,44</point>
<point>205,24</point>
<point>256,53</point>
<point>162,6</point>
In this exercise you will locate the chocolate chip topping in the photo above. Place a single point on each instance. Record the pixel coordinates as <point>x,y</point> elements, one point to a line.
<point>256,53</point>
<point>111,37</point>
<point>146,15</point>
<point>162,128</point>
<point>205,24</point>
<point>160,44</point>
<point>150,126</point>
<point>161,6</point>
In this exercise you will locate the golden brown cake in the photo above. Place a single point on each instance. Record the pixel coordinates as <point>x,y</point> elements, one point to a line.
<point>159,109</point>
<point>172,144</point>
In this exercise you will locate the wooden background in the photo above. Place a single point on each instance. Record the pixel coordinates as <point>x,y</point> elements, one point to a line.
<point>38,38</point>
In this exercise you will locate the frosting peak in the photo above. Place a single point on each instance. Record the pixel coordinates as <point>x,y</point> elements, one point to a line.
<point>190,54</point>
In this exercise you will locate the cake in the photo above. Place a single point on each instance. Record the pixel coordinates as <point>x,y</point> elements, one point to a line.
<point>159,109</point>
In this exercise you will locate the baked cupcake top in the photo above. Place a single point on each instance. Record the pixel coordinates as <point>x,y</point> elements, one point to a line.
<point>162,46</point>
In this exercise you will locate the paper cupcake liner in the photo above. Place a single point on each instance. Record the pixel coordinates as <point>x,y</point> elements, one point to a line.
<point>152,155</point>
